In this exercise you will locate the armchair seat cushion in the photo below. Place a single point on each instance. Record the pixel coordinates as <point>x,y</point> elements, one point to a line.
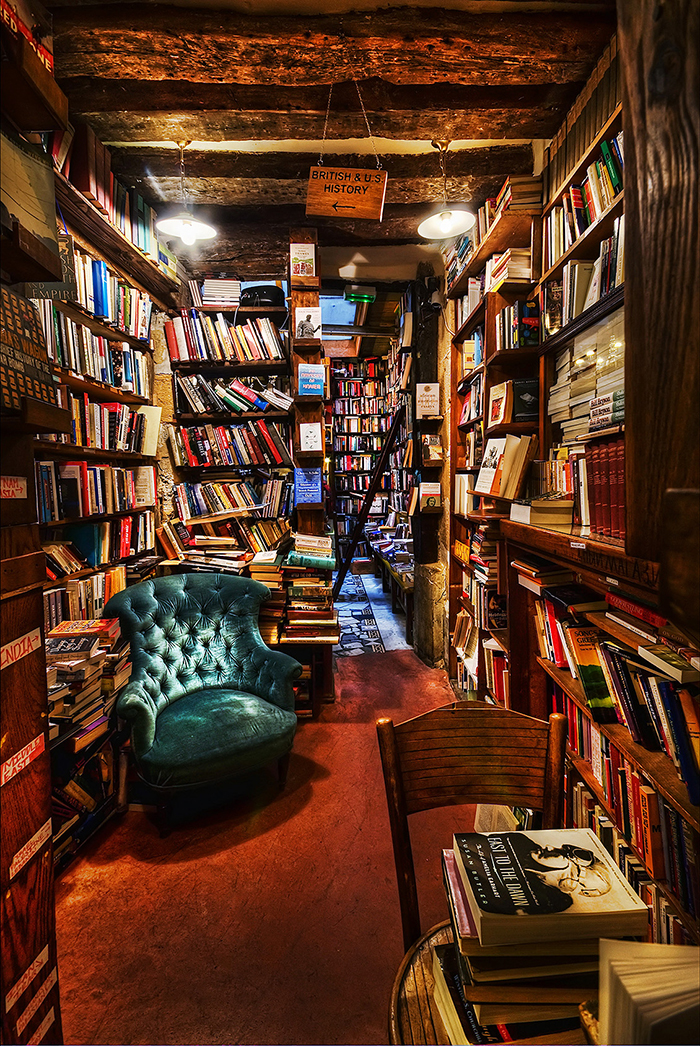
<point>214,733</point>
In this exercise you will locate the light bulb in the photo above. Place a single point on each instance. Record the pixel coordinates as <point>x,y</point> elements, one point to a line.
<point>187,234</point>
<point>446,221</point>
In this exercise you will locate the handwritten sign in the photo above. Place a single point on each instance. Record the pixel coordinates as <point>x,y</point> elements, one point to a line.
<point>13,488</point>
<point>16,649</point>
<point>345,192</point>
<point>30,848</point>
<point>12,766</point>
<point>41,1031</point>
<point>24,1018</point>
<point>26,979</point>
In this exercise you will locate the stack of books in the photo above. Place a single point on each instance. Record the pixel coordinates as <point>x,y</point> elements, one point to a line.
<point>80,701</point>
<point>221,293</point>
<point>310,611</point>
<point>519,192</point>
<point>312,550</point>
<point>527,911</point>
<point>513,264</point>
<point>266,567</point>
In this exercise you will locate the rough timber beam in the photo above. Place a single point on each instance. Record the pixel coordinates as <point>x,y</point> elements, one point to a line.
<point>430,45</point>
<point>130,111</point>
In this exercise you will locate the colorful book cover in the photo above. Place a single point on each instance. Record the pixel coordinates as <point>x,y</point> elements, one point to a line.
<point>584,648</point>
<point>311,378</point>
<point>308,486</point>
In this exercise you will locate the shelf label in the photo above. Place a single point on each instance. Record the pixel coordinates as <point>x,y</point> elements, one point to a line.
<point>24,1018</point>
<point>13,488</point>
<point>612,581</point>
<point>43,1028</point>
<point>26,979</point>
<point>20,759</point>
<point>30,848</point>
<point>19,648</point>
<point>577,544</point>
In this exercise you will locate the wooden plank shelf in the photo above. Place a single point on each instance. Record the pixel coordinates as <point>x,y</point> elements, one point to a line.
<point>655,766</point>
<point>101,327</point>
<point>25,258</point>
<point>271,415</point>
<point>35,416</point>
<point>31,98</point>
<point>233,367</point>
<point>514,427</point>
<point>515,356</point>
<point>72,450</point>
<point>465,381</point>
<point>577,172</point>
<point>97,517</point>
<point>97,390</point>
<point>475,317</point>
<point>472,421</point>
<point>90,571</point>
<point>595,557</point>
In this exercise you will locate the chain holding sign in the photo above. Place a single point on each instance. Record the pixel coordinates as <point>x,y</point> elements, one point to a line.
<point>346,192</point>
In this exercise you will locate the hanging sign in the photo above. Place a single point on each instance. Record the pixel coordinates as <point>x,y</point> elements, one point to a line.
<point>346,192</point>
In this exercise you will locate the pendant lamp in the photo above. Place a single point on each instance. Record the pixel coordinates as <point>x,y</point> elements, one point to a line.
<point>450,219</point>
<point>184,224</point>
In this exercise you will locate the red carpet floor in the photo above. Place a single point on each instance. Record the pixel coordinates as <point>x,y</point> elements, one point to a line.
<point>271,920</point>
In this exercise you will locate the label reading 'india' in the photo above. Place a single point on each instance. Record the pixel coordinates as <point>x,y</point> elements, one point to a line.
<point>19,648</point>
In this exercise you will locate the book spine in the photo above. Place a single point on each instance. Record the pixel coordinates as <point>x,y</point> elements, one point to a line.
<point>635,609</point>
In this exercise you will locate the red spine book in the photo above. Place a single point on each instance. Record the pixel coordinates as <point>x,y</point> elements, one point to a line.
<point>635,609</point>
<point>594,491</point>
<point>191,459</point>
<point>615,506</point>
<point>604,468</point>
<point>171,340</point>
<point>262,427</point>
<point>621,486</point>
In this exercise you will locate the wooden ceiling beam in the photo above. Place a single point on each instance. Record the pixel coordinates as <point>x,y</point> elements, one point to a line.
<point>431,45</point>
<point>161,162</point>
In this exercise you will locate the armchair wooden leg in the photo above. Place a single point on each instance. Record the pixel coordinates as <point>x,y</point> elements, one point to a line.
<point>283,769</point>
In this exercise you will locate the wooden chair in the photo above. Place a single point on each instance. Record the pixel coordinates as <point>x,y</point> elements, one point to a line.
<point>463,753</point>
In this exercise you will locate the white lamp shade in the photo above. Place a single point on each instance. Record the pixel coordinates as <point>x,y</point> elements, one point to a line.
<point>187,227</point>
<point>447,222</point>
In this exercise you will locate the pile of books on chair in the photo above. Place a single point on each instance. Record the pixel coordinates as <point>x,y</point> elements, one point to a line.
<point>88,663</point>
<point>528,910</point>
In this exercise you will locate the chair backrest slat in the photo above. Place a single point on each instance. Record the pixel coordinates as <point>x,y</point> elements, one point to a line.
<point>466,753</point>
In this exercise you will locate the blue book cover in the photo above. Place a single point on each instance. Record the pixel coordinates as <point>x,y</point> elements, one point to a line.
<point>308,486</point>
<point>311,379</point>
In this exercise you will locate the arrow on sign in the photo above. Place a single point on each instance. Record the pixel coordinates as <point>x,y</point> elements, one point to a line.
<point>343,206</point>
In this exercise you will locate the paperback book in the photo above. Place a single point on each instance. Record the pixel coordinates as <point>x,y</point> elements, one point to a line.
<point>546,885</point>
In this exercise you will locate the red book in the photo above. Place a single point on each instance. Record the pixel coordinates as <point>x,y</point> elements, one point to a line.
<point>262,427</point>
<point>594,492</point>
<point>171,340</point>
<point>605,499</point>
<point>83,159</point>
<point>559,655</point>
<point>621,485</point>
<point>615,495</point>
<point>189,336</point>
<point>635,609</point>
<point>191,459</point>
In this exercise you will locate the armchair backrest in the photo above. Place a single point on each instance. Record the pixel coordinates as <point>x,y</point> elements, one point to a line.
<point>190,631</point>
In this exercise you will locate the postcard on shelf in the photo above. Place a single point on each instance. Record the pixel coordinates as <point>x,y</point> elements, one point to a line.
<point>308,487</point>
<point>302,263</point>
<point>427,400</point>
<point>539,885</point>
<point>488,481</point>
<point>311,377</point>
<point>500,403</point>
<point>307,323</point>
<point>310,436</point>
<point>430,496</point>
<point>432,449</point>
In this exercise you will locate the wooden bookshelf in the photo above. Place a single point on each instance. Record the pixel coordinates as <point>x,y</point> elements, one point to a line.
<point>512,228</point>
<point>103,329</point>
<point>96,390</point>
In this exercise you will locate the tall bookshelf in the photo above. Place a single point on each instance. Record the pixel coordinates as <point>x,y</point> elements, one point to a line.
<point>603,757</point>
<point>359,430</point>
<point>28,968</point>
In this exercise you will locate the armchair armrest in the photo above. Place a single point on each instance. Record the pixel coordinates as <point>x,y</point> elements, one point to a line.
<point>275,672</point>
<point>138,707</point>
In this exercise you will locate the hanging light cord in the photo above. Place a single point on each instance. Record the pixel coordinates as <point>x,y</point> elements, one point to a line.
<point>369,133</point>
<point>325,125</point>
<point>183,192</point>
<point>443,146</point>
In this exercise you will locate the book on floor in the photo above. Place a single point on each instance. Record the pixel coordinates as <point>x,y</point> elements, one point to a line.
<point>545,885</point>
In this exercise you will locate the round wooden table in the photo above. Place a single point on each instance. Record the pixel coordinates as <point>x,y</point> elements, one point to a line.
<point>413,1015</point>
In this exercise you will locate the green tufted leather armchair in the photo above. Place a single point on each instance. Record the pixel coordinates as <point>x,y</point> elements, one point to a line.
<point>207,699</point>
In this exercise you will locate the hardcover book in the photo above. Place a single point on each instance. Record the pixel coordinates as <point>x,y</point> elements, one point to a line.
<point>308,489</point>
<point>311,378</point>
<point>540,885</point>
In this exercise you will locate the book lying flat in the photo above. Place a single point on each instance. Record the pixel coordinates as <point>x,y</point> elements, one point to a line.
<point>545,885</point>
